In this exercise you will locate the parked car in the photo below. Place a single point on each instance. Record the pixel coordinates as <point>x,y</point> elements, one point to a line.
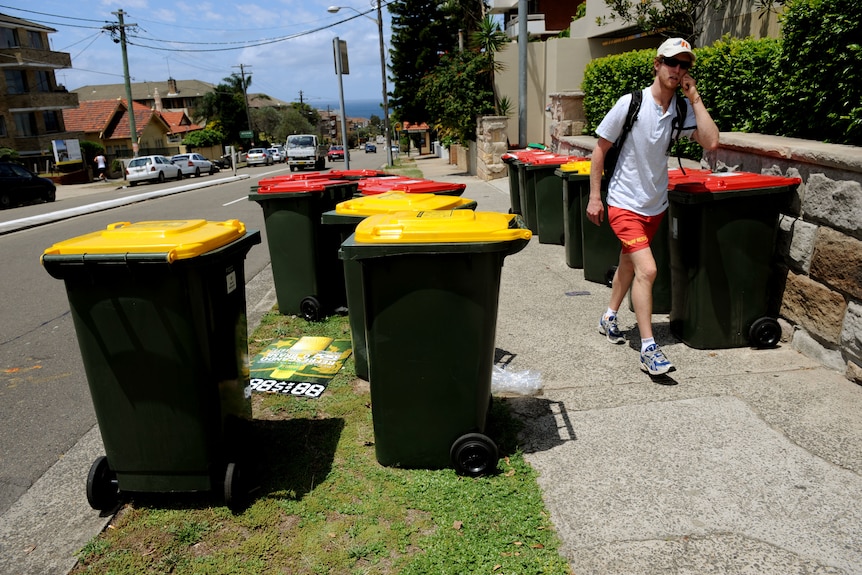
<point>152,169</point>
<point>224,162</point>
<point>278,154</point>
<point>258,157</point>
<point>193,164</point>
<point>18,185</point>
<point>335,153</point>
<point>370,148</point>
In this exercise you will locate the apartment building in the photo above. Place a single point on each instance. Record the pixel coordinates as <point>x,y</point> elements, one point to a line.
<point>31,101</point>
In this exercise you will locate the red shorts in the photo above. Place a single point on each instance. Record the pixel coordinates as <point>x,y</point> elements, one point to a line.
<point>634,230</point>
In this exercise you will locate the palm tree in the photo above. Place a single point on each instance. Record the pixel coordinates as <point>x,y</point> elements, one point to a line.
<point>488,40</point>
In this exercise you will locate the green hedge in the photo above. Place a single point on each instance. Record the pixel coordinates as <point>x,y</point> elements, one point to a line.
<point>808,86</point>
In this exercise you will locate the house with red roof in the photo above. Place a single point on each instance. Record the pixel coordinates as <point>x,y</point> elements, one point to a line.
<point>107,122</point>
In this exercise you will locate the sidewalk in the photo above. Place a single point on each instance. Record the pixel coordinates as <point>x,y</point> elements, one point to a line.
<point>749,462</point>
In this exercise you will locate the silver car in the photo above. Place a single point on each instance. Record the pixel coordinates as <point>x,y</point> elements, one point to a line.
<point>152,169</point>
<point>259,157</point>
<point>193,164</point>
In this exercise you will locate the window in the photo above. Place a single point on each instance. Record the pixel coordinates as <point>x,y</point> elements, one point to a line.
<point>35,40</point>
<point>8,38</point>
<point>43,81</point>
<point>25,124</point>
<point>16,82</point>
<point>52,121</point>
<point>3,133</point>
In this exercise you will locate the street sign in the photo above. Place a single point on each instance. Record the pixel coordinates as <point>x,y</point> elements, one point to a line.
<point>246,134</point>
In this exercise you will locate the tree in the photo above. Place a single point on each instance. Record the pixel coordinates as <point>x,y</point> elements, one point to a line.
<point>204,138</point>
<point>420,35</point>
<point>670,18</point>
<point>227,105</point>
<point>489,39</point>
<point>457,92</point>
<point>295,120</point>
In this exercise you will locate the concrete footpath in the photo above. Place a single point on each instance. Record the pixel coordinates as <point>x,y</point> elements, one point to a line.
<point>740,461</point>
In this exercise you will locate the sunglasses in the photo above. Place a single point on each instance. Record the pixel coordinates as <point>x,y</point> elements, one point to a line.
<point>674,62</point>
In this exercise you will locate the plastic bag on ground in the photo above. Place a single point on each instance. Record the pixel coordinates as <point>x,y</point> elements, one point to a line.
<point>515,382</point>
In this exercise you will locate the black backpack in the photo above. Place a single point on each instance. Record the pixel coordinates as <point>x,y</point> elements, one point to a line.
<point>613,154</point>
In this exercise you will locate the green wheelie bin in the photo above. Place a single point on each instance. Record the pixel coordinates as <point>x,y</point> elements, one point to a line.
<point>601,247</point>
<point>430,287</point>
<point>723,228</point>
<point>573,176</point>
<point>548,191</point>
<point>159,311</point>
<point>345,217</point>
<point>510,158</point>
<point>305,266</point>
<point>527,187</point>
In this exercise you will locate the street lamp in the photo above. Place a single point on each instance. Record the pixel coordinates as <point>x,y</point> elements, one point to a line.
<point>379,21</point>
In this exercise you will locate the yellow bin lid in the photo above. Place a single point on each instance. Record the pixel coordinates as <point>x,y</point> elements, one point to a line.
<point>582,167</point>
<point>179,239</point>
<point>397,201</point>
<point>455,226</point>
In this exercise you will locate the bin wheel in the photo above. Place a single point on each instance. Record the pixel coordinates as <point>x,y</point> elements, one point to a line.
<point>765,332</point>
<point>234,487</point>
<point>609,276</point>
<point>309,309</point>
<point>474,454</point>
<point>292,168</point>
<point>102,488</point>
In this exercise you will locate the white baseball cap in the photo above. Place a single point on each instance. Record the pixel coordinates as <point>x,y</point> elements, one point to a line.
<point>675,46</point>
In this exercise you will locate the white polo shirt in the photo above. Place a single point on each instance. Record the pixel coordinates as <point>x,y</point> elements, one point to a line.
<point>639,183</point>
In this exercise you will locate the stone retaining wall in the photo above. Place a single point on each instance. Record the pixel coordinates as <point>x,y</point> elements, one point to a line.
<point>819,248</point>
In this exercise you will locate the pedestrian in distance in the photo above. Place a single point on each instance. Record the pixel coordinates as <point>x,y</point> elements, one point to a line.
<point>637,188</point>
<point>101,166</point>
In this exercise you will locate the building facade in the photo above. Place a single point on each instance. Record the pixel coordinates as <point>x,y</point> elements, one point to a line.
<point>31,101</point>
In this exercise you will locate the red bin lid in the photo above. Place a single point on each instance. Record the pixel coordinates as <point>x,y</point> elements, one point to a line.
<point>730,182</point>
<point>370,186</point>
<point>553,160</point>
<point>301,186</point>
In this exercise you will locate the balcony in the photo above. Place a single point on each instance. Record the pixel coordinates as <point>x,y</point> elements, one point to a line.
<point>535,26</point>
<point>21,58</point>
<point>503,6</point>
<point>36,101</point>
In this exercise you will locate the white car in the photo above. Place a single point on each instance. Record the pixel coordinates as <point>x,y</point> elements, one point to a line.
<point>152,169</point>
<point>193,164</point>
<point>278,154</point>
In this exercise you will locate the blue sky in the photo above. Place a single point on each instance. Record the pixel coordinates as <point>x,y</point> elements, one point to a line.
<point>274,40</point>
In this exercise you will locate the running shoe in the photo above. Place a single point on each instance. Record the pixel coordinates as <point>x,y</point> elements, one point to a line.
<point>608,326</point>
<point>654,362</point>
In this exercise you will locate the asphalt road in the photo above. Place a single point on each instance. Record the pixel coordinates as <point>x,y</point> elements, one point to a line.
<point>45,406</point>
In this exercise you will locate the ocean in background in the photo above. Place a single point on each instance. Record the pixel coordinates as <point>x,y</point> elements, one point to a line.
<point>355,108</point>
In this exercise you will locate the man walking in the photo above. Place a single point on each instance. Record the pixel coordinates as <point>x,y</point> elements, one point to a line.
<point>637,190</point>
<point>101,165</point>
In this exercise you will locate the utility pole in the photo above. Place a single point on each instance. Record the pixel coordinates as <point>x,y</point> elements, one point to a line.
<point>113,28</point>
<point>245,95</point>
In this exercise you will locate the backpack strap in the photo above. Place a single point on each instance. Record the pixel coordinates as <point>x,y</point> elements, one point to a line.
<point>677,127</point>
<point>631,117</point>
<point>613,154</point>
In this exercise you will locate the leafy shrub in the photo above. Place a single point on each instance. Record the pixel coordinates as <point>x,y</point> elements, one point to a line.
<point>807,85</point>
<point>820,71</point>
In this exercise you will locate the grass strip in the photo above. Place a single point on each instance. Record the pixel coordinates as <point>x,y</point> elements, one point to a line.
<point>322,504</point>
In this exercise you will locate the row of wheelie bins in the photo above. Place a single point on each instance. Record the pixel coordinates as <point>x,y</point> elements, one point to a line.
<point>412,266</point>
<point>159,312</point>
<point>713,250</point>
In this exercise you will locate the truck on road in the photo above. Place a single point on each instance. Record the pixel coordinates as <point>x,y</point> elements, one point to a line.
<point>305,151</point>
